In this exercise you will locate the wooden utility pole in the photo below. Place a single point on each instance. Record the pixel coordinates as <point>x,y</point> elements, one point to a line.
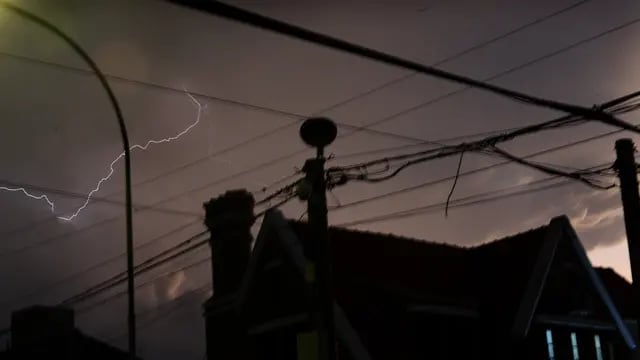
<point>627,172</point>
<point>319,132</point>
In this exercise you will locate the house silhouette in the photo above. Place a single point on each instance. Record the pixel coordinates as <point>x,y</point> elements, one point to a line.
<point>533,295</point>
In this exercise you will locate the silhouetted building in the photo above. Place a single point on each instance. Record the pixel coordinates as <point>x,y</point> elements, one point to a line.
<point>533,295</point>
<point>42,332</point>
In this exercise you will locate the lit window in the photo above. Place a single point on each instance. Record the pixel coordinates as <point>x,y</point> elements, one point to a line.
<point>596,339</point>
<point>574,346</point>
<point>550,345</point>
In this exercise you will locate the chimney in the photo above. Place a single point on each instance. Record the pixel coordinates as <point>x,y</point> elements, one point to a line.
<point>42,332</point>
<point>229,218</point>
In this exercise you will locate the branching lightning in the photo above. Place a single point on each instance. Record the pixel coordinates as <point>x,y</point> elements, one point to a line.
<point>75,214</point>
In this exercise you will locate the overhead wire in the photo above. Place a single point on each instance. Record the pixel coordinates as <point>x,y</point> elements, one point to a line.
<point>489,167</point>
<point>429,143</point>
<point>299,116</point>
<point>474,199</point>
<point>463,52</point>
<point>162,312</point>
<point>144,284</point>
<point>237,14</point>
<point>440,206</point>
<point>550,170</point>
<point>489,143</point>
<point>287,156</point>
<point>450,58</point>
<point>105,262</point>
<point>75,195</point>
<point>186,246</point>
<point>334,106</point>
<point>51,240</point>
<point>451,150</point>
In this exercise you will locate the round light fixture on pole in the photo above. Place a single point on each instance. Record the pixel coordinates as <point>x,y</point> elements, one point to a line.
<point>318,132</point>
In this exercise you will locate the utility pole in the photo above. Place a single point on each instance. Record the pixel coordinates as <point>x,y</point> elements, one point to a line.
<point>627,172</point>
<point>318,133</point>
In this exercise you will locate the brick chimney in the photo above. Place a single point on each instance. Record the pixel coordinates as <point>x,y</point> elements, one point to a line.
<point>229,218</point>
<point>42,332</point>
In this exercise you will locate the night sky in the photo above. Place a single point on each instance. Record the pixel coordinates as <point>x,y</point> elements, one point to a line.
<point>59,131</point>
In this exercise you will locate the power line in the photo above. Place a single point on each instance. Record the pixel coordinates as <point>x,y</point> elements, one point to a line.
<point>502,73</point>
<point>517,131</point>
<point>281,112</point>
<point>165,256</point>
<point>373,90</point>
<point>462,53</point>
<point>103,263</point>
<point>145,284</point>
<point>297,116</point>
<point>493,166</point>
<point>230,12</point>
<point>147,265</point>
<point>162,312</point>
<point>474,171</point>
<point>300,151</point>
<point>454,204</point>
<point>430,143</point>
<point>75,195</point>
<point>263,165</point>
<point>53,239</point>
<point>616,106</point>
<point>455,149</point>
<point>475,199</point>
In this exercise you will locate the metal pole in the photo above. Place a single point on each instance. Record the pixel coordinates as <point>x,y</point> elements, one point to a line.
<point>319,132</point>
<point>627,172</point>
<point>127,158</point>
<point>320,255</point>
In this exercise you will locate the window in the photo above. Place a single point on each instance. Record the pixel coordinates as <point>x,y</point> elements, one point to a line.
<point>550,345</point>
<point>574,346</point>
<point>596,340</point>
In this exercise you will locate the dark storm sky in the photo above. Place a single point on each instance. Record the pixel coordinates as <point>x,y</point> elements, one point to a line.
<point>59,131</point>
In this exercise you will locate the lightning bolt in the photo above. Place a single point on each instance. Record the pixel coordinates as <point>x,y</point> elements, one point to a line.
<point>111,167</point>
<point>26,193</point>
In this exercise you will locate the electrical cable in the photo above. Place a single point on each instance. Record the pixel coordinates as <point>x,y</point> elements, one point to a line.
<point>75,195</point>
<point>142,268</point>
<point>474,171</point>
<point>109,220</point>
<point>520,67</point>
<point>550,170</point>
<point>439,206</point>
<point>143,284</point>
<point>430,143</point>
<point>298,116</point>
<point>334,106</point>
<point>489,142</point>
<point>475,199</point>
<point>103,263</point>
<point>462,53</point>
<point>230,12</point>
<point>378,88</point>
<point>152,262</point>
<point>161,312</point>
